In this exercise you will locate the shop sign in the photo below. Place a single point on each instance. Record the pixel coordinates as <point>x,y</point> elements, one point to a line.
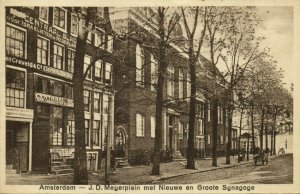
<point>49,99</point>
<point>63,152</point>
<point>19,112</point>
<point>21,19</point>
<point>40,67</point>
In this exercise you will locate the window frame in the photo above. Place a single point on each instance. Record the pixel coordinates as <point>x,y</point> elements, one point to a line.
<point>63,57</point>
<point>25,37</point>
<point>53,23</point>
<point>139,68</point>
<point>71,25</point>
<point>171,81</point>
<point>96,43</point>
<point>91,69</point>
<point>46,21</point>
<point>67,56</point>
<point>48,53</point>
<point>152,126</point>
<point>154,72</point>
<point>140,133</point>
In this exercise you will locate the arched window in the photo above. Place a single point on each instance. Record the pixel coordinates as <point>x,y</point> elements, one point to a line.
<point>140,62</point>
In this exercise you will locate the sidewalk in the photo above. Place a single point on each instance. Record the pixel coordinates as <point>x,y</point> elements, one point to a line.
<point>133,175</point>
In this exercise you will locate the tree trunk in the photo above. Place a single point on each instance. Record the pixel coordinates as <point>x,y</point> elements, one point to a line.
<point>271,142</point>
<point>214,120</point>
<point>248,142</point>
<point>252,129</point>
<point>262,128</point>
<point>159,96</point>
<point>80,163</point>
<point>274,150</point>
<point>266,129</point>
<point>192,114</point>
<point>229,119</point>
<point>241,126</point>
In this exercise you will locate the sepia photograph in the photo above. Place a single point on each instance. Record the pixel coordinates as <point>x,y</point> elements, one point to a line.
<point>149,98</point>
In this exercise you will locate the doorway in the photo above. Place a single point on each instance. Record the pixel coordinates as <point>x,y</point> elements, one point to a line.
<point>120,144</point>
<point>17,145</point>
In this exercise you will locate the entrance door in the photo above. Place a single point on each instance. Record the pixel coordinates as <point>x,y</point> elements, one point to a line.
<point>120,143</point>
<point>17,144</point>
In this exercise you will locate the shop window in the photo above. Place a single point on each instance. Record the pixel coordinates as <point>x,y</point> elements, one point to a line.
<point>140,62</point>
<point>99,38</point>
<point>59,18</point>
<point>108,72</point>
<point>68,91</point>
<point>44,14</point>
<point>97,100</point>
<point>15,88</point>
<point>99,69</point>
<point>96,132</point>
<point>86,132</point>
<point>71,128</point>
<point>154,72</point>
<point>42,111</point>
<point>74,25</point>
<point>58,56</point>
<point>152,126</point>
<point>71,57</point>
<point>15,42</point>
<point>87,63</point>
<point>140,125</point>
<point>56,88</point>
<point>86,100</point>
<point>56,116</point>
<point>42,51</point>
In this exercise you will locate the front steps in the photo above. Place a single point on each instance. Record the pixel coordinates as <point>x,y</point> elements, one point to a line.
<point>9,170</point>
<point>60,167</point>
<point>122,163</point>
<point>178,157</point>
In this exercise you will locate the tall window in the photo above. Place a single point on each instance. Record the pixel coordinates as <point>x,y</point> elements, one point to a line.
<point>87,62</point>
<point>98,69</point>
<point>140,62</point>
<point>15,42</point>
<point>108,72</point>
<point>208,111</point>
<point>200,127</point>
<point>42,51</point>
<point>89,36</point>
<point>171,81</point>
<point>220,115</point>
<point>71,57</point>
<point>43,14</point>
<point>188,85</point>
<point>86,100</point>
<point>99,38</point>
<point>71,128</point>
<point>110,43</point>
<point>180,84</point>
<point>86,132</point>
<point>140,125</point>
<point>154,72</point>
<point>74,25</point>
<point>58,56</point>
<point>97,101</point>
<point>208,138</point>
<point>180,130</point>
<point>96,130</point>
<point>152,126</point>
<point>56,115</point>
<point>15,88</point>
<point>59,18</point>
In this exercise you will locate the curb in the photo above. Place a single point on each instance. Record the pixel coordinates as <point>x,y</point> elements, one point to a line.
<point>200,171</point>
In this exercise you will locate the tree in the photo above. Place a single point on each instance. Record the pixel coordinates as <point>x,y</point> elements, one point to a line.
<point>193,56</point>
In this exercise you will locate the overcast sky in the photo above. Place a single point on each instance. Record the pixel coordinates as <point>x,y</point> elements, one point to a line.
<point>277,27</point>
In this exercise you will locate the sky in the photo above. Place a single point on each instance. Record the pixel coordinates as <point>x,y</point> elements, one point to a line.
<point>277,28</point>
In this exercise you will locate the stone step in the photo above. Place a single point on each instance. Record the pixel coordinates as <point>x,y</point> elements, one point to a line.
<point>11,171</point>
<point>65,166</point>
<point>63,171</point>
<point>9,167</point>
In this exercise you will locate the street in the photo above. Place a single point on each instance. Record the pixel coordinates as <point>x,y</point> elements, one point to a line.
<point>278,171</point>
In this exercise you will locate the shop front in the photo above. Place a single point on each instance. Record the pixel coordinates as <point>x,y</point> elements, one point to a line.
<point>19,138</point>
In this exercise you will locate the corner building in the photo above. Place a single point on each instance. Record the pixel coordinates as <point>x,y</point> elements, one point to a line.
<point>40,47</point>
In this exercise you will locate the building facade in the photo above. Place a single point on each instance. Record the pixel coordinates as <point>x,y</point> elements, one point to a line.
<point>40,51</point>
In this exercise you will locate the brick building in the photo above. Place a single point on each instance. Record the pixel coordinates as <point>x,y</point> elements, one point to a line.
<point>40,50</point>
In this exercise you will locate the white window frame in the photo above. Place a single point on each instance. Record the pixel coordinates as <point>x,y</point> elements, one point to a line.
<point>111,71</point>
<point>64,55</point>
<point>110,43</point>
<point>153,123</point>
<point>140,64</point>
<point>89,36</point>
<point>208,138</point>
<point>154,72</point>
<point>46,21</point>
<point>25,34</point>
<point>140,132</point>
<point>180,83</point>
<point>48,60</point>
<point>101,69</point>
<point>200,127</point>
<point>91,69</point>
<point>73,15</point>
<point>96,43</point>
<point>188,85</point>
<point>68,58</point>
<point>171,81</point>
<point>66,24</point>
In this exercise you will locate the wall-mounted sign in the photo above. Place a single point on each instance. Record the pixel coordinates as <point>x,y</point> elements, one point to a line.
<point>19,112</point>
<point>21,19</point>
<point>63,151</point>
<point>40,67</point>
<point>49,99</point>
